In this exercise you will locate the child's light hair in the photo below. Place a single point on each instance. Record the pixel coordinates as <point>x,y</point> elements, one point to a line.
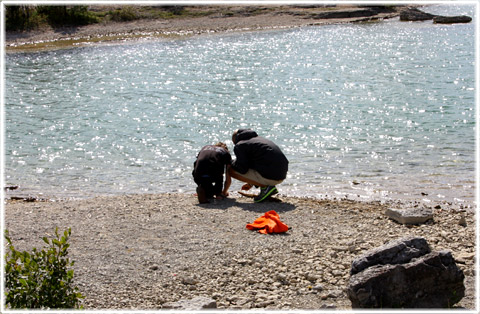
<point>222,145</point>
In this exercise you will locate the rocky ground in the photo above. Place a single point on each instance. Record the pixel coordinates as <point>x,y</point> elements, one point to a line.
<point>144,251</point>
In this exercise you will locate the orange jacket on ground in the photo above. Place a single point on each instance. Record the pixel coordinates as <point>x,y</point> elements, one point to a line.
<point>268,223</point>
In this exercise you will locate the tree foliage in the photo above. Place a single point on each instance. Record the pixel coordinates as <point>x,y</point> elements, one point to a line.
<point>27,17</point>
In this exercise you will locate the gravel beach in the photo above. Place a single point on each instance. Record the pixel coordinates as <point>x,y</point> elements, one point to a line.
<point>143,251</point>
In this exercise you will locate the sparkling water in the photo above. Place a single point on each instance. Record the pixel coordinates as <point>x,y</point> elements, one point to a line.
<point>372,111</point>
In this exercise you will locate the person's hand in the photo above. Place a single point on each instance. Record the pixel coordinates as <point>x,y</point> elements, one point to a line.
<point>246,187</point>
<point>222,196</point>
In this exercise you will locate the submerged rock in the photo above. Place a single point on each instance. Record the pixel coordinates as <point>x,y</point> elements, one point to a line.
<point>452,19</point>
<point>344,14</point>
<point>414,14</point>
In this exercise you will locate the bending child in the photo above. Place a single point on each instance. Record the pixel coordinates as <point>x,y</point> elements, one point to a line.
<point>208,170</point>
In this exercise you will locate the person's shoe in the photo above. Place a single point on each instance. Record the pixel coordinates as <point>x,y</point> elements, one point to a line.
<point>202,195</point>
<point>265,193</point>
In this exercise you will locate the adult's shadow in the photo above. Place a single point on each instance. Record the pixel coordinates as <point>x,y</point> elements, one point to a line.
<point>273,203</point>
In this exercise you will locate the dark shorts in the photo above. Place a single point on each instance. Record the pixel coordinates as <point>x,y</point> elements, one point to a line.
<point>212,186</point>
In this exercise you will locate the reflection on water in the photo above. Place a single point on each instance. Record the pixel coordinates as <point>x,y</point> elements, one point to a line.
<point>381,110</point>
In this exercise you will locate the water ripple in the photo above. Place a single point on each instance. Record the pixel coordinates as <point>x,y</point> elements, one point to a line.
<point>358,109</point>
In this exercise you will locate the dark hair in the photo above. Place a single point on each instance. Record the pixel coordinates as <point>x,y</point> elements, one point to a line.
<point>234,137</point>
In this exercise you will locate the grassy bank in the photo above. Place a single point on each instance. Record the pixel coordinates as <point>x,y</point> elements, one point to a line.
<point>36,17</point>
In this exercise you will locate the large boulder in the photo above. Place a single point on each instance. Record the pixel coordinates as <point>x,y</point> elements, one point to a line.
<point>396,252</point>
<point>345,14</point>
<point>414,14</point>
<point>405,274</point>
<point>452,19</point>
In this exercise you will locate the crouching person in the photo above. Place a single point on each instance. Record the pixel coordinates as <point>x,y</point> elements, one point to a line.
<point>208,170</point>
<point>258,162</point>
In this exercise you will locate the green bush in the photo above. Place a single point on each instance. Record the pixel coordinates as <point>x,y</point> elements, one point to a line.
<point>124,14</point>
<point>41,279</point>
<point>67,15</point>
<point>80,15</point>
<point>27,17</point>
<point>22,17</point>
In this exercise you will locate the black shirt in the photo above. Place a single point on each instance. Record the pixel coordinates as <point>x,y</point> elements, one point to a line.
<point>211,162</point>
<point>258,153</point>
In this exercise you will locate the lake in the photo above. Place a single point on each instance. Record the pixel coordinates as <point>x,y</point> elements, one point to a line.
<point>374,111</point>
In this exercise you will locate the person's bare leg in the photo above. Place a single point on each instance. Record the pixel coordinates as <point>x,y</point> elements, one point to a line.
<point>239,177</point>
<point>246,187</point>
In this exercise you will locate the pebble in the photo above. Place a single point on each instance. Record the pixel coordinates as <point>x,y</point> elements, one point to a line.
<point>189,281</point>
<point>318,287</point>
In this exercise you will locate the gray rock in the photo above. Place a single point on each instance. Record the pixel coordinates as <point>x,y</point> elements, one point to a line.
<point>189,281</point>
<point>431,280</point>
<point>452,19</point>
<point>395,252</point>
<point>194,304</point>
<point>343,14</point>
<point>318,288</point>
<point>464,257</point>
<point>414,14</point>
<point>410,216</point>
<point>328,306</point>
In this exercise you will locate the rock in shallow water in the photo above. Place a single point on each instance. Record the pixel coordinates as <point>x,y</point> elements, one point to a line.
<point>452,19</point>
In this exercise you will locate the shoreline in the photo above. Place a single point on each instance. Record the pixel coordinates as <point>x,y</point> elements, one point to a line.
<point>277,17</point>
<point>145,251</point>
<point>15,194</point>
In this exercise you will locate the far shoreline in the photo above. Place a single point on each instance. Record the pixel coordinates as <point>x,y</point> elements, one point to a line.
<point>278,18</point>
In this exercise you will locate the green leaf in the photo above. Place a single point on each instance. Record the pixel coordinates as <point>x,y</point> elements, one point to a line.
<point>42,279</point>
<point>23,282</point>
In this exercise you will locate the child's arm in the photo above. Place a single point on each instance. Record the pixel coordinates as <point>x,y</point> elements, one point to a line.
<point>228,181</point>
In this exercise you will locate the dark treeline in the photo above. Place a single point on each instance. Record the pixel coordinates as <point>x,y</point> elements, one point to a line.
<point>27,17</point>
